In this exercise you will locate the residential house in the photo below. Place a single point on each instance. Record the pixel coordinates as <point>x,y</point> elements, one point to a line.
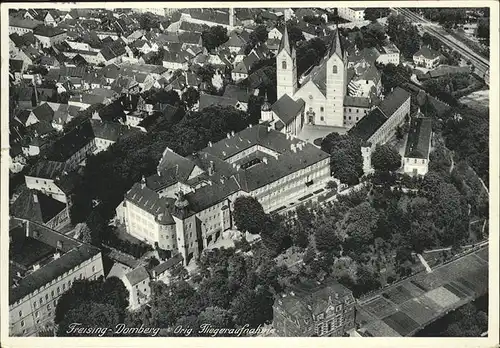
<point>49,36</point>
<point>418,146</point>
<point>242,69</point>
<point>309,308</point>
<point>426,57</point>
<point>22,26</point>
<point>352,14</point>
<point>137,283</point>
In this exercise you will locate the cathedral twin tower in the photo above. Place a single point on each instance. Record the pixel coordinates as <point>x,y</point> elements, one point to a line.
<point>323,89</point>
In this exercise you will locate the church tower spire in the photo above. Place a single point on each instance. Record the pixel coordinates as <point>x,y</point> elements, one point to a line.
<point>336,74</point>
<point>286,67</point>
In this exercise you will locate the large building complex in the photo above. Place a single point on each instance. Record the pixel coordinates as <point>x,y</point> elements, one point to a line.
<point>43,264</point>
<point>314,309</point>
<point>187,205</point>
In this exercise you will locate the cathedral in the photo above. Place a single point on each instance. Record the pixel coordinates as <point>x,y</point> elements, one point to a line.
<point>321,93</point>
<point>323,97</point>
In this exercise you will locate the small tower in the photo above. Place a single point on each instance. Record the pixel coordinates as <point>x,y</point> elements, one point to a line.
<point>266,113</point>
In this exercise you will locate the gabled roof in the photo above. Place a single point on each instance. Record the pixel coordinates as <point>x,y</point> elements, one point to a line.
<point>137,275</point>
<point>36,206</point>
<point>44,113</point>
<point>71,142</point>
<point>427,53</point>
<point>393,101</point>
<point>207,100</point>
<point>48,31</point>
<point>419,138</point>
<point>368,125</point>
<point>236,92</point>
<point>48,169</point>
<point>150,201</point>
<point>287,109</point>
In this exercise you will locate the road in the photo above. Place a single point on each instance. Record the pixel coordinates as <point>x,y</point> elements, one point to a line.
<point>480,63</point>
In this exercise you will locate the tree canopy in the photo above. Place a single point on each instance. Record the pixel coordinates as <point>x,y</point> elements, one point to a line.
<point>214,36</point>
<point>385,158</point>
<point>346,159</point>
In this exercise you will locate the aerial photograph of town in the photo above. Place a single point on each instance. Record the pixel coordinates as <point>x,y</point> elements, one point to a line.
<point>248,172</point>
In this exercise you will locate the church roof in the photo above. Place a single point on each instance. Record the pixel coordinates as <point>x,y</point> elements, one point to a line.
<point>287,109</point>
<point>336,45</point>
<point>285,43</point>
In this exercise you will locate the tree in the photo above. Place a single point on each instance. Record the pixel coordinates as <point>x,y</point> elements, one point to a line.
<point>206,73</point>
<point>367,281</point>
<point>346,159</point>
<point>216,317</point>
<point>190,97</point>
<point>374,13</point>
<point>253,307</point>
<point>483,29</point>
<point>326,239</point>
<point>148,21</point>
<point>97,225</point>
<point>386,159</point>
<point>254,108</point>
<point>249,215</point>
<point>404,35</point>
<point>295,35</point>
<point>259,35</point>
<point>394,75</point>
<point>94,296</point>
<point>214,37</point>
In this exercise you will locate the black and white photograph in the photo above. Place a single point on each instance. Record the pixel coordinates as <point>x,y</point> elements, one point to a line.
<point>232,171</point>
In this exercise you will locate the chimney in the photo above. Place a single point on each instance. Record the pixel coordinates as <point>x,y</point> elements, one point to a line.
<point>250,125</point>
<point>210,144</point>
<point>293,148</point>
<point>160,216</point>
<point>35,198</point>
<point>238,167</point>
<point>143,182</point>
<point>292,293</point>
<point>336,296</point>
<point>57,255</point>
<point>36,266</point>
<point>228,135</point>
<point>232,133</point>
<point>264,159</point>
<point>211,168</point>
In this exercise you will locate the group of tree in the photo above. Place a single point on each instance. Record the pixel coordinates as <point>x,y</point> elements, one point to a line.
<point>249,216</point>
<point>447,17</point>
<point>467,136</point>
<point>258,36</point>
<point>310,53</point>
<point>369,36</point>
<point>447,84</point>
<point>374,13</point>
<point>346,159</point>
<point>394,75</point>
<point>232,290</point>
<point>91,303</point>
<point>404,35</point>
<point>149,21</point>
<point>483,29</point>
<point>214,36</point>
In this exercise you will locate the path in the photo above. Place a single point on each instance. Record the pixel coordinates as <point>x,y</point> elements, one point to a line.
<point>424,263</point>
